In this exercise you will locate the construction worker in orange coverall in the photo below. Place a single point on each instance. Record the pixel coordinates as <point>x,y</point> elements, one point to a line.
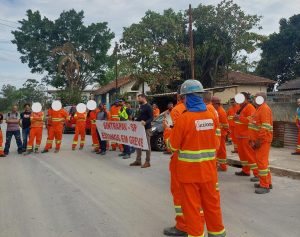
<point>261,136</point>
<point>93,117</point>
<point>1,138</point>
<point>230,114</point>
<point>57,123</point>
<point>221,153</point>
<point>245,151</point>
<point>194,138</point>
<point>207,98</point>
<point>180,228</point>
<point>297,152</point>
<point>80,120</point>
<point>36,131</point>
<point>114,112</point>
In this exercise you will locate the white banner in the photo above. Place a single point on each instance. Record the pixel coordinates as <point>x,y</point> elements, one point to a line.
<point>123,132</point>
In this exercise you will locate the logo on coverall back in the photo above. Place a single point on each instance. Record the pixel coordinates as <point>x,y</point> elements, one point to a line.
<point>205,124</point>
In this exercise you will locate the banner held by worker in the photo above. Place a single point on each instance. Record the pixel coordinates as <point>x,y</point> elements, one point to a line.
<point>124,132</point>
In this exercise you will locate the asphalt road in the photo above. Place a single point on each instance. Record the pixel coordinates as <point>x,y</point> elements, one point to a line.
<point>80,194</point>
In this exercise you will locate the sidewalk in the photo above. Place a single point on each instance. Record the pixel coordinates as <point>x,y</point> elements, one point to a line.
<point>282,163</point>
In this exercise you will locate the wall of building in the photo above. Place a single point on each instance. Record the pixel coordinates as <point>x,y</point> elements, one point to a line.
<point>231,92</point>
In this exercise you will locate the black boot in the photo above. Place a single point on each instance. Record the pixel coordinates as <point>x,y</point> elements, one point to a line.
<point>241,173</point>
<point>258,186</point>
<point>262,190</point>
<point>173,231</point>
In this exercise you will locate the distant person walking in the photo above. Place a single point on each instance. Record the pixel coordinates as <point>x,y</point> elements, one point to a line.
<point>25,125</point>
<point>13,129</point>
<point>145,116</point>
<point>297,152</point>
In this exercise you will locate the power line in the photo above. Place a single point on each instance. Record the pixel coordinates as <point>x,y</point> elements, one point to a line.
<point>10,21</point>
<point>15,27</point>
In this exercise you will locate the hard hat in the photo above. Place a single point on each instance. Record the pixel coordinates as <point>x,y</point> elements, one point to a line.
<point>191,86</point>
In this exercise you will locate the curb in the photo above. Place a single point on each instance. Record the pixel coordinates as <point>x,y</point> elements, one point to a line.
<point>275,170</point>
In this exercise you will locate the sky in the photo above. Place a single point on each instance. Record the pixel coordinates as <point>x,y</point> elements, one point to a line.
<point>118,14</point>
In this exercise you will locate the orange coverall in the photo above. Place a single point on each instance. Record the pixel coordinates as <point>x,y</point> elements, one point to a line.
<point>49,127</point>
<point>114,111</point>
<point>36,131</point>
<point>80,119</point>
<point>214,112</point>
<point>194,138</point>
<point>174,183</point>
<point>261,129</point>
<point>57,123</point>
<point>242,133</point>
<point>93,117</point>
<point>230,114</point>
<point>221,153</point>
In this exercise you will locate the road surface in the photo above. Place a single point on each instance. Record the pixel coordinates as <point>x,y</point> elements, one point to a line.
<point>81,194</point>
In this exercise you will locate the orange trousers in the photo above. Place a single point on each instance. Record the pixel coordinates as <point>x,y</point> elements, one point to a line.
<point>1,143</point>
<point>54,133</point>
<point>95,139</point>
<point>298,144</point>
<point>262,159</point>
<point>247,156</point>
<point>207,196</point>
<point>48,135</point>
<point>176,193</point>
<point>222,155</point>
<point>115,145</point>
<point>79,131</point>
<point>35,135</point>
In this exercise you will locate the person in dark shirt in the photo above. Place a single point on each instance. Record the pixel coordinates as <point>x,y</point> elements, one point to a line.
<point>25,124</point>
<point>145,116</point>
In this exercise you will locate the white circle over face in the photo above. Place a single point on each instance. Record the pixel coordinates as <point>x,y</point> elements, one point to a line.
<point>239,98</point>
<point>56,105</point>
<point>81,108</point>
<point>91,105</point>
<point>36,107</point>
<point>259,100</point>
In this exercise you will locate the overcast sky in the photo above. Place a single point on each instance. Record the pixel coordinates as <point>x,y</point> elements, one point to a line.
<point>118,13</point>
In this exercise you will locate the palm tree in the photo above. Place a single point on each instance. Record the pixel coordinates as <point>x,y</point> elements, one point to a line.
<point>69,63</point>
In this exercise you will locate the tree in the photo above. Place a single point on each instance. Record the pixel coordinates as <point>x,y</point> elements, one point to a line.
<point>32,91</point>
<point>152,48</point>
<point>280,59</point>
<point>65,44</point>
<point>221,34</point>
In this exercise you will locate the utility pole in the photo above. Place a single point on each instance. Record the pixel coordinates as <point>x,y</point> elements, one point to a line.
<point>116,65</point>
<point>192,55</point>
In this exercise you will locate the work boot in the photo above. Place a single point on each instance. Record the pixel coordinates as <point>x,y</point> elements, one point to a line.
<point>258,186</point>
<point>146,165</point>
<point>241,173</point>
<point>173,231</point>
<point>136,163</point>
<point>296,154</point>
<point>254,179</point>
<point>122,154</point>
<point>3,155</point>
<point>73,148</point>
<point>262,190</point>
<point>27,153</point>
<point>126,156</point>
<point>45,151</point>
<point>56,151</point>
<point>80,148</point>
